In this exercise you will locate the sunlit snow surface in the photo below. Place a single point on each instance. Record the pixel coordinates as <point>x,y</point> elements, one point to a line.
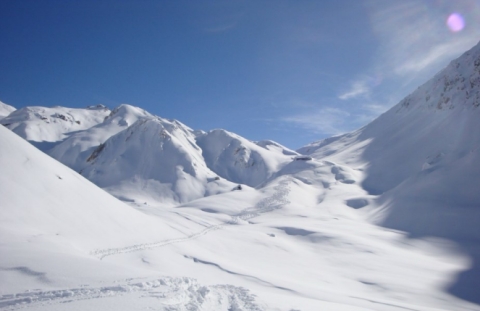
<point>294,244</point>
<point>307,237</point>
<point>5,110</point>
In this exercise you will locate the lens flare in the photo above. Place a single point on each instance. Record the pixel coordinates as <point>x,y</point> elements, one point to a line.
<point>455,22</point>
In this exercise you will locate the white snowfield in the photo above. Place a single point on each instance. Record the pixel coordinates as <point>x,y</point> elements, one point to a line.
<point>5,110</point>
<point>384,218</point>
<point>44,127</point>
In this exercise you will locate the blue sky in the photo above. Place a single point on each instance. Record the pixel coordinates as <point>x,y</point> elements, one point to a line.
<point>291,71</point>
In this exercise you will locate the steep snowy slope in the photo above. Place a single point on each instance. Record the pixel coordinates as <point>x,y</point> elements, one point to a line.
<point>240,160</point>
<point>274,146</point>
<point>41,197</point>
<point>153,175</point>
<point>420,159</point>
<point>299,241</point>
<point>426,146</point>
<point>75,150</point>
<point>293,244</point>
<point>437,123</point>
<point>54,225</point>
<point>153,160</point>
<point>5,110</point>
<point>51,216</point>
<point>44,127</point>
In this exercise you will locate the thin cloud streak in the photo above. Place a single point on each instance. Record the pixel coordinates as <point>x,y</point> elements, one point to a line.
<point>357,89</point>
<point>440,53</point>
<point>414,42</point>
<point>325,121</point>
<point>414,37</point>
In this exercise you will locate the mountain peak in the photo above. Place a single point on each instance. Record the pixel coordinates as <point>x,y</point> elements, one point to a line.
<point>5,110</point>
<point>456,86</point>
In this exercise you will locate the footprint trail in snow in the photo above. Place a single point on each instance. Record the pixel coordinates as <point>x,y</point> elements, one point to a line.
<point>171,293</point>
<point>269,204</point>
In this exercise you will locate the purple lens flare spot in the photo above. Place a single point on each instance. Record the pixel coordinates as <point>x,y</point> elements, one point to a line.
<point>455,22</point>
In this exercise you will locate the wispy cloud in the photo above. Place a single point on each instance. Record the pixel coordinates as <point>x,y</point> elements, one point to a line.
<point>357,89</point>
<point>324,121</point>
<point>413,43</point>
<point>437,54</point>
<point>414,38</point>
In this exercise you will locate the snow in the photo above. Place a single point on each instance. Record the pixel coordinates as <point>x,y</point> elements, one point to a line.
<point>75,150</point>
<point>44,127</point>
<point>5,110</point>
<point>292,244</point>
<point>418,161</point>
<point>118,154</point>
<point>153,160</point>
<point>383,218</point>
<point>240,160</point>
<point>419,156</point>
<point>274,146</point>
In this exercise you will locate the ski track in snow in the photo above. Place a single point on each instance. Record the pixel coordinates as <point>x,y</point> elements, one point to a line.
<point>269,204</point>
<point>172,294</point>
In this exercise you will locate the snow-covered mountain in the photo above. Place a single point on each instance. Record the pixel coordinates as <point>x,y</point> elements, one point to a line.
<point>44,127</point>
<point>5,110</point>
<point>67,244</point>
<point>421,154</point>
<point>79,146</point>
<point>153,160</point>
<point>240,160</point>
<point>144,158</point>
<point>45,198</point>
<point>313,234</point>
<point>418,163</point>
<point>274,146</point>
<point>55,225</point>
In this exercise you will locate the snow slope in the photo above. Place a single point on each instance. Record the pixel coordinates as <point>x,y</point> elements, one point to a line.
<point>43,198</point>
<point>240,160</point>
<point>68,245</point>
<point>423,150</point>
<point>177,164</point>
<point>436,123</point>
<point>75,150</point>
<point>52,223</point>
<point>5,110</point>
<point>420,159</point>
<point>305,238</point>
<point>44,127</point>
<point>274,146</point>
<point>153,160</point>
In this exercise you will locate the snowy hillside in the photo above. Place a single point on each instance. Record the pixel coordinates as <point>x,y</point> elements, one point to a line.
<point>430,140</point>
<point>385,218</point>
<point>46,126</point>
<point>5,110</point>
<point>240,160</point>
<point>41,197</point>
<point>68,245</point>
<point>274,146</point>
<point>435,123</point>
<point>420,162</point>
<point>79,146</point>
<point>153,160</point>
<point>55,225</point>
<point>143,158</point>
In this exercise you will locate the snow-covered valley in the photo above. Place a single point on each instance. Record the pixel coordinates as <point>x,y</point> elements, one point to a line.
<point>124,210</point>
